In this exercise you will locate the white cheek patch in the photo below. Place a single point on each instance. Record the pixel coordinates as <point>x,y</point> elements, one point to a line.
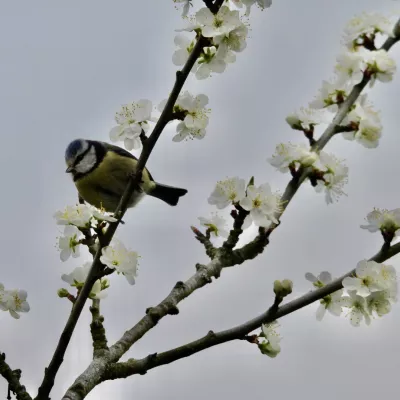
<point>87,163</point>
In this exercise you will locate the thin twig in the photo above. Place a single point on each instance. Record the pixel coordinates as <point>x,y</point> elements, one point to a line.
<point>239,215</point>
<point>205,241</point>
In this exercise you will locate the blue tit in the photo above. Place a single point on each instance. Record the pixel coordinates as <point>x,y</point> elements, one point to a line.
<point>102,171</point>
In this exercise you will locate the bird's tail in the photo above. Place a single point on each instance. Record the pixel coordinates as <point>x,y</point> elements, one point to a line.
<point>169,194</point>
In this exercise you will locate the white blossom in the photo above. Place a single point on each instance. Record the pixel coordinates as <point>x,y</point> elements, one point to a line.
<point>117,257</point>
<point>102,215</point>
<point>331,94</point>
<point>78,215</point>
<point>357,308</point>
<point>378,303</point>
<point>288,154</point>
<point>262,204</point>
<point>216,225</point>
<point>366,280</point>
<point>183,132</point>
<point>366,24</point>
<point>185,45</point>
<point>78,277</point>
<point>193,107</point>
<point>223,22</point>
<point>332,303</point>
<point>234,40</point>
<point>14,301</point>
<point>69,243</point>
<point>306,118</point>
<point>381,66</point>
<point>131,119</point>
<point>376,284</point>
<point>351,66</point>
<point>387,279</point>
<point>210,61</point>
<point>335,177</point>
<point>383,220</point>
<point>231,190</point>
<point>366,123</point>
<point>321,280</point>
<point>271,345</point>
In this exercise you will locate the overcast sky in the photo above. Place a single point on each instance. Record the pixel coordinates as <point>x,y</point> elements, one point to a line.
<point>65,69</point>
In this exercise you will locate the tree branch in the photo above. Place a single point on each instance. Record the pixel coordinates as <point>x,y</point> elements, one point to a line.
<point>239,216</point>
<point>205,241</point>
<point>95,271</point>
<point>97,330</point>
<point>302,173</point>
<point>132,366</point>
<point>97,268</point>
<point>224,257</point>
<point>13,377</point>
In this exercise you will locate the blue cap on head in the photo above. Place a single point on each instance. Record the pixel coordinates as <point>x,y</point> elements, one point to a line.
<point>75,148</point>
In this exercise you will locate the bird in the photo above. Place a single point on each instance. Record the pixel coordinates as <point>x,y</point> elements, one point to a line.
<point>101,172</point>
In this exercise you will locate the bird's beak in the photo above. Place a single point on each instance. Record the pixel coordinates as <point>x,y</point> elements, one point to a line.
<point>69,170</point>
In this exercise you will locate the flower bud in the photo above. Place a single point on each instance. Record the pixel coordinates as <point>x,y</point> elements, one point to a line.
<point>283,288</point>
<point>62,292</point>
<point>278,288</point>
<point>287,285</point>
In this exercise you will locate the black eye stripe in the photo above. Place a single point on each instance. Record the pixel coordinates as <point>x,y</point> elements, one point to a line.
<point>80,157</point>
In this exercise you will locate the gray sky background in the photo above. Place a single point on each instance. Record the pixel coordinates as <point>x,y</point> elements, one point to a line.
<point>65,69</point>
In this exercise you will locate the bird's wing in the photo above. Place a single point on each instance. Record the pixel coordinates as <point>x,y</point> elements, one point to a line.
<point>119,150</point>
<point>122,152</point>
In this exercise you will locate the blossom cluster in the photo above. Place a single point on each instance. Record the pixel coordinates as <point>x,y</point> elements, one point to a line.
<point>226,34</point>
<point>75,218</point>
<point>370,291</point>
<point>78,277</point>
<point>193,114</point>
<point>132,119</point>
<point>13,301</point>
<point>78,220</point>
<point>262,204</point>
<point>82,216</point>
<point>385,221</point>
<point>329,173</point>
<point>117,256</point>
<point>216,225</point>
<point>359,59</point>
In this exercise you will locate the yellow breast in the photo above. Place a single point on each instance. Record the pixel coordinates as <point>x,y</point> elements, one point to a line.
<point>104,186</point>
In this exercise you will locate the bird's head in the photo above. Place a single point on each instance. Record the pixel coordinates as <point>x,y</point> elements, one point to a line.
<point>80,157</point>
